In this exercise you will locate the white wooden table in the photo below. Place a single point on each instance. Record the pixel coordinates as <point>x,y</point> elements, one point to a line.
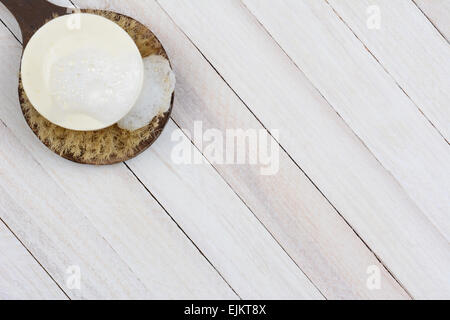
<point>359,91</point>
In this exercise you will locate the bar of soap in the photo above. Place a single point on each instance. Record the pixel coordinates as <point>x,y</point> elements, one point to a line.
<point>155,99</point>
<point>82,72</point>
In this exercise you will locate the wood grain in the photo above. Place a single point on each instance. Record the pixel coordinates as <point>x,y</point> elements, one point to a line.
<point>221,225</point>
<point>369,100</point>
<point>21,277</point>
<point>56,231</point>
<point>438,11</point>
<point>231,224</point>
<point>410,50</point>
<point>241,221</point>
<point>367,195</point>
<point>287,203</point>
<point>244,268</point>
<point>101,219</point>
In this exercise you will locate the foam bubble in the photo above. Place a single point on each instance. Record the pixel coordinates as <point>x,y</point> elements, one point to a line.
<point>93,83</point>
<point>156,95</point>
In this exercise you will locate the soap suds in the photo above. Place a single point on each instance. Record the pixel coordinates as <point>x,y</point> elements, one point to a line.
<point>85,78</point>
<point>155,99</point>
<point>92,84</point>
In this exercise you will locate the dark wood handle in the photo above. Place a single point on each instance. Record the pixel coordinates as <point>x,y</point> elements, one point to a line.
<point>32,14</point>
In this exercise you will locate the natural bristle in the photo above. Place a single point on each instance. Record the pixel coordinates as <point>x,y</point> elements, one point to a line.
<point>110,145</point>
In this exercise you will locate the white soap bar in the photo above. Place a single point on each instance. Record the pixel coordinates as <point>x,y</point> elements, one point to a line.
<point>156,96</point>
<point>82,72</point>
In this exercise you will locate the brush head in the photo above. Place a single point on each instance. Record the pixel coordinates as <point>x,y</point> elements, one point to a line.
<point>112,144</point>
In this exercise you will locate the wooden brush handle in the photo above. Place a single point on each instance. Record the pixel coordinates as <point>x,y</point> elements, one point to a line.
<point>32,14</point>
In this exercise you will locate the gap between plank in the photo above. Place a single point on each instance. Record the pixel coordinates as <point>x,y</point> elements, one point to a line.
<point>84,216</point>
<point>428,18</point>
<point>201,152</point>
<point>290,157</point>
<point>256,217</point>
<point>359,138</point>
<point>346,124</point>
<point>284,150</point>
<point>264,226</point>
<point>152,195</point>
<point>93,226</point>
<point>181,229</point>
<point>10,31</point>
<point>25,247</point>
<point>230,185</point>
<point>140,182</point>
<point>34,258</point>
<point>385,70</point>
<point>176,223</point>
<point>170,216</point>
<point>343,120</point>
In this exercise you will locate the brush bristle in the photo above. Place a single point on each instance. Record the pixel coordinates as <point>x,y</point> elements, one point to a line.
<point>110,145</point>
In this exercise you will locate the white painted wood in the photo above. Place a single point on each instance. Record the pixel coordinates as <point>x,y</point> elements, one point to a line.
<point>298,286</point>
<point>56,231</point>
<point>60,236</point>
<point>98,217</point>
<point>306,226</point>
<point>222,225</point>
<point>438,11</point>
<point>310,230</point>
<point>217,220</point>
<point>314,135</point>
<point>409,48</point>
<point>367,97</point>
<point>21,277</point>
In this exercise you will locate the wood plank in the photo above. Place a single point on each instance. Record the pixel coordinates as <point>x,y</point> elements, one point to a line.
<point>412,52</point>
<point>21,277</point>
<point>59,235</point>
<point>220,224</point>
<point>98,217</point>
<point>246,271</point>
<point>438,11</point>
<point>56,231</point>
<point>306,226</point>
<point>319,140</point>
<point>369,100</point>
